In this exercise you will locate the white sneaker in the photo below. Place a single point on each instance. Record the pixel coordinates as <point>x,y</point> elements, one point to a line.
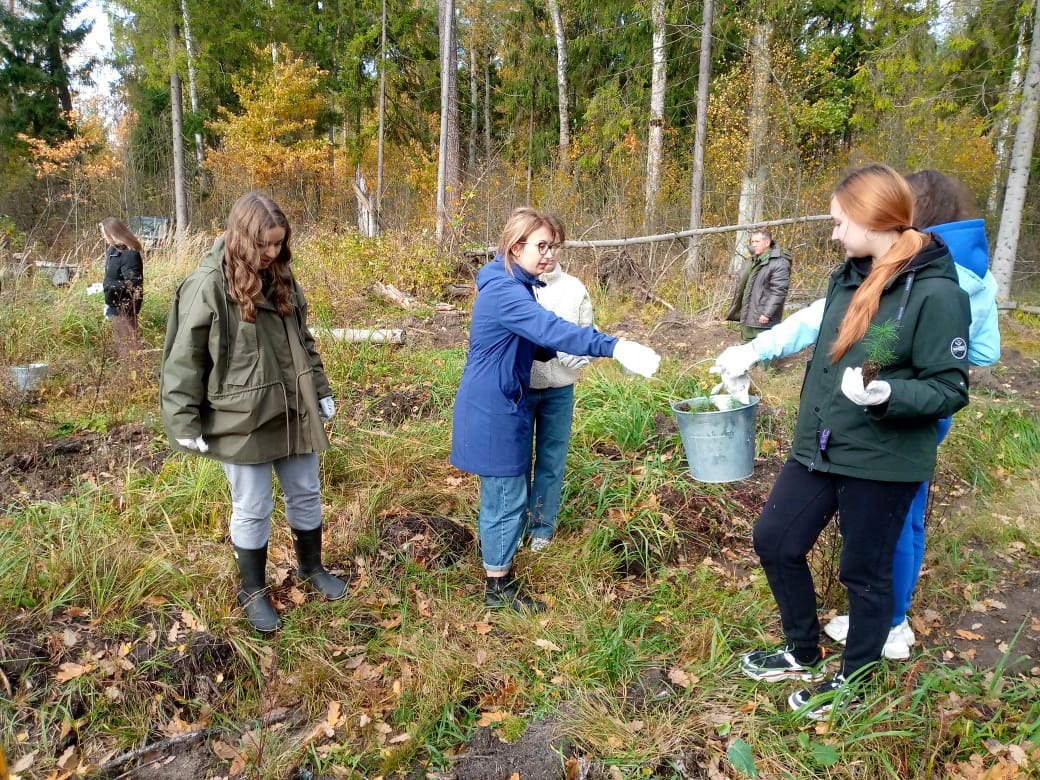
<point>900,639</point>
<point>540,543</point>
<point>838,629</point>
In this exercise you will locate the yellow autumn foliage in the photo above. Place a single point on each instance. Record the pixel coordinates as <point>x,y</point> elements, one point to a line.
<point>271,143</point>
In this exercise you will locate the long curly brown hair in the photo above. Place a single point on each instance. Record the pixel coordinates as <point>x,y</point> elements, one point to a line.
<point>251,217</point>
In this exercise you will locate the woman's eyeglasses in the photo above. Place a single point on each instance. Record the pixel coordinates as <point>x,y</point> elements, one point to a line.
<point>544,247</point>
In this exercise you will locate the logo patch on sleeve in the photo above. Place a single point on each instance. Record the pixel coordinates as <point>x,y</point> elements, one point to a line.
<point>959,348</point>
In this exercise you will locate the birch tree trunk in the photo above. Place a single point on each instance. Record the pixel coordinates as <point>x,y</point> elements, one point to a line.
<point>448,160</point>
<point>193,91</point>
<point>1003,129</point>
<point>693,252</point>
<point>561,83</point>
<point>749,207</point>
<point>177,141</point>
<point>656,136</point>
<point>1003,265</point>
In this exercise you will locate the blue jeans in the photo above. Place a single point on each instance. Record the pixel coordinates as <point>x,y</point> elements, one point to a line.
<point>906,566</point>
<point>552,410</point>
<point>500,521</point>
<point>252,500</point>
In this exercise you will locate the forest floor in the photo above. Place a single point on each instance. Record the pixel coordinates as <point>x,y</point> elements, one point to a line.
<point>1008,617</point>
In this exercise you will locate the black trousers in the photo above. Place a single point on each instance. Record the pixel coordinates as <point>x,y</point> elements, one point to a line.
<point>871,515</point>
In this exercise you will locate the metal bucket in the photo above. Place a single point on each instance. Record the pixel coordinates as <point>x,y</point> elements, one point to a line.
<point>28,377</point>
<point>720,445</point>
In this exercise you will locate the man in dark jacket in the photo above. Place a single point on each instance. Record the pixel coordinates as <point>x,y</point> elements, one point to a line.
<point>758,301</point>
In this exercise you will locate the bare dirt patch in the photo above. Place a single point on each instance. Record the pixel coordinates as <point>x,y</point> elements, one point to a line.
<point>45,469</point>
<point>428,539</point>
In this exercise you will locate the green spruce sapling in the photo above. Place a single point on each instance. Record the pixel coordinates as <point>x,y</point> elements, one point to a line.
<point>880,342</point>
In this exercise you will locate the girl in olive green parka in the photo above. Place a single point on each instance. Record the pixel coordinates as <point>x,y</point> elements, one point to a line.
<point>242,383</point>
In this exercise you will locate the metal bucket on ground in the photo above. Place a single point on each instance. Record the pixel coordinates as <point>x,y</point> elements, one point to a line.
<point>28,377</point>
<point>720,445</point>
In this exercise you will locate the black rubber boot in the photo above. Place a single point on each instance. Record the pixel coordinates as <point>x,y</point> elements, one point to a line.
<point>252,594</point>
<point>506,593</point>
<point>309,568</point>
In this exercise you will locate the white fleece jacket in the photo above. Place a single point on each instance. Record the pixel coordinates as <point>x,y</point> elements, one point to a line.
<point>565,296</point>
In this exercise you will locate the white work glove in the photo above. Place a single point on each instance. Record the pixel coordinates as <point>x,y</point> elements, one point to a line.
<point>95,288</point>
<point>198,444</point>
<point>637,358</point>
<point>735,360</point>
<point>326,408</point>
<point>877,392</point>
<point>571,361</point>
<point>732,367</point>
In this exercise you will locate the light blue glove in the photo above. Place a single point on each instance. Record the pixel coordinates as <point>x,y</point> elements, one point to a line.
<point>326,408</point>
<point>877,392</point>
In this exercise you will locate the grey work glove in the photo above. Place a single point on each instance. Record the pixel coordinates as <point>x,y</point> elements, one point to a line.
<point>571,361</point>
<point>326,408</point>
<point>198,444</point>
<point>876,392</point>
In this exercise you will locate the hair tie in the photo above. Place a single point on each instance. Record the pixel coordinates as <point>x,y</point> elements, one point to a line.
<point>904,228</point>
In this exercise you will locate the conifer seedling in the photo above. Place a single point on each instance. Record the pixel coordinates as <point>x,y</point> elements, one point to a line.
<point>880,342</point>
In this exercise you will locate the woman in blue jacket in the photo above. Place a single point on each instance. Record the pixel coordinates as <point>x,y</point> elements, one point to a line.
<point>491,427</point>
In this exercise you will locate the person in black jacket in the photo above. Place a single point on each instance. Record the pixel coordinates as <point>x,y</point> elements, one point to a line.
<point>123,285</point>
<point>758,301</point>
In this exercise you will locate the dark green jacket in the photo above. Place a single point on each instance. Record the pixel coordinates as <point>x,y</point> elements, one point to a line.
<point>250,389</point>
<point>894,441</point>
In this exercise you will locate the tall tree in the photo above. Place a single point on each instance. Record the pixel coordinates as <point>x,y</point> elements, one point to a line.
<point>751,190</point>
<point>1002,129</point>
<point>193,86</point>
<point>1004,254</point>
<point>656,131</point>
<point>693,254</point>
<point>35,76</point>
<point>560,34</point>
<point>448,159</point>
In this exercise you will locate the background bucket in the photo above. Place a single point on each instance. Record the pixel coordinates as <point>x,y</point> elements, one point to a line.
<point>720,446</point>
<point>28,377</point>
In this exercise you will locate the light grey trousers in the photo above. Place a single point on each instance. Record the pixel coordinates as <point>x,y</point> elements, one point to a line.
<point>252,499</point>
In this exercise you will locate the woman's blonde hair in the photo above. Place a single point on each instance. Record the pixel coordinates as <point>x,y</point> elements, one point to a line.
<point>879,199</point>
<point>522,223</point>
<point>118,233</point>
<point>251,217</point>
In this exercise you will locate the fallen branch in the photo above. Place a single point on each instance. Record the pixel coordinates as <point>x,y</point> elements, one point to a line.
<point>569,244</point>
<point>390,293</point>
